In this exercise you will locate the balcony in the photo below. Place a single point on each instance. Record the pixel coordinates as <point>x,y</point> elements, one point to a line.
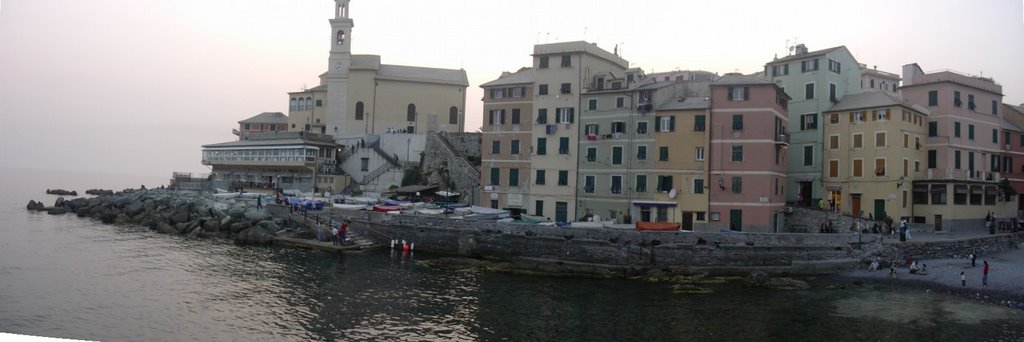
<point>782,139</point>
<point>966,175</point>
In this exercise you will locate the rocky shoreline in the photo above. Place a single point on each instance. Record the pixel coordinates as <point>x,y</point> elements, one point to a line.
<point>178,213</point>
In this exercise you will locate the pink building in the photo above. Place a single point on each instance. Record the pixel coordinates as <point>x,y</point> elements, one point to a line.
<point>266,122</point>
<point>1013,150</point>
<point>748,154</point>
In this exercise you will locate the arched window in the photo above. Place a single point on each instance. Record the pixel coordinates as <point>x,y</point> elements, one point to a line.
<point>453,115</point>
<point>341,37</point>
<point>359,110</point>
<point>411,113</point>
<point>309,103</point>
<point>292,105</point>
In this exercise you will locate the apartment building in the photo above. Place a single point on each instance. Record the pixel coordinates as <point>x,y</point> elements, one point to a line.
<point>507,141</point>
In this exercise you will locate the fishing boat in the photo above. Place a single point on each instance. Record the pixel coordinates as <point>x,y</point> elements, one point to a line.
<point>657,226</point>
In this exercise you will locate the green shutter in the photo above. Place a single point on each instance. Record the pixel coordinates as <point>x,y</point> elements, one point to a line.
<point>672,123</point>
<point>657,124</point>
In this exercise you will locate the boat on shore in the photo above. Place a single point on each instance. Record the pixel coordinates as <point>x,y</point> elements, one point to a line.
<point>657,226</point>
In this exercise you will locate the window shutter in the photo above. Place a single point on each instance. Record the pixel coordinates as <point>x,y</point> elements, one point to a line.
<point>803,121</point>
<point>490,117</point>
<point>572,115</point>
<point>597,129</point>
<point>851,116</point>
<point>672,123</point>
<point>803,66</point>
<point>501,119</point>
<point>657,124</point>
<point>558,115</point>
<point>746,93</point>
<point>730,94</point>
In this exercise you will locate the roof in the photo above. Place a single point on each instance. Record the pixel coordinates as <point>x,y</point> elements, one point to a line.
<point>734,79</point>
<point>1010,126</point>
<point>267,117</point>
<point>807,55</point>
<point>873,99</point>
<point>421,74</point>
<point>262,143</point>
<point>676,103</point>
<point>523,76</point>
<point>413,188</point>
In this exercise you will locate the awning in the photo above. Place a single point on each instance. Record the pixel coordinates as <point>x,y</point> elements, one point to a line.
<point>976,190</point>
<point>938,188</point>
<point>960,189</point>
<point>991,190</point>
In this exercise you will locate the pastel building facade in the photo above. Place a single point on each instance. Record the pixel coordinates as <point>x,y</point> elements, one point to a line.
<point>266,122</point>
<point>507,141</point>
<point>1013,151</point>
<point>964,151</point>
<point>874,152</point>
<point>681,166</point>
<point>814,80</point>
<point>748,150</point>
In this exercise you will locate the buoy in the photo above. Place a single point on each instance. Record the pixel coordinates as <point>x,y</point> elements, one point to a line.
<point>412,246</point>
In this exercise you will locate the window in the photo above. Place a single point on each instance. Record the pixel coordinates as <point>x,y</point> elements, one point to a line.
<point>566,61</point>
<point>698,123</point>
<point>737,122</point>
<point>539,179</point>
<point>542,146</point>
<point>591,129</point>
<point>809,65</point>
<point>543,64</point>
<point>495,176</point>
<point>515,147</point>
<point>737,153</point>
<point>872,83</point>
<point>591,154</point>
<point>933,98</point>
<point>496,117</point>
<point>410,113</point>
<point>970,102</point>
<point>956,129</point>
<point>359,110</point>
<point>858,168</point>
<point>588,184</point>
<point>616,155</point>
<point>665,183</point>
<point>858,140</point>
<point>699,152</point>
<point>698,186</point>
<point>515,117</point>
<point>563,145</point>
<point>498,93</point>
<point>833,118</point>
<point>496,147</point>
<point>641,183</point>
<point>618,127</point>
<point>563,178</point>
<point>809,121</point>
<point>880,139</point>
<point>808,155</point>
<point>513,177</point>
<point>616,184</point>
<point>641,127</point>
<point>662,153</point>
<point>880,167</point>
<point>932,159</point>
<point>995,136</point>
<point>906,140</point>
<point>956,99</point>
<point>881,115</point>
<point>857,117</point>
<point>292,105</point>
<point>938,194</point>
<point>665,123</point>
<point>739,93</point>
<point>737,184</point>
<point>833,142</point>
<point>538,208</point>
<point>542,115</point>
<point>956,160</point>
<point>933,129</point>
<point>833,168</point>
<point>641,152</point>
<point>780,70</point>
<point>833,66</point>
<point>995,107</point>
<point>319,103</point>
<point>662,214</point>
<point>542,89</point>
<point>620,102</point>
<point>364,164</point>
<point>809,91</point>
<point>566,88</point>
<point>592,104</point>
<point>565,115</point>
<point>832,92</point>
<point>518,91</point>
<point>970,132</point>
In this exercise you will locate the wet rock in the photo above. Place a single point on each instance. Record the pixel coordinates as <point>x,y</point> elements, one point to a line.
<point>239,226</point>
<point>164,228</point>
<point>33,205</point>
<point>237,212</point>
<point>59,202</point>
<point>99,192</point>
<point>61,192</point>
<point>108,216</point>
<point>269,226</point>
<point>179,216</point>
<point>255,215</point>
<point>57,211</point>
<point>254,236</point>
<point>134,208</point>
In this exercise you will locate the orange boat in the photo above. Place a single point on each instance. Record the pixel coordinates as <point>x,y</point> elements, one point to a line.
<point>386,208</point>
<point>657,226</point>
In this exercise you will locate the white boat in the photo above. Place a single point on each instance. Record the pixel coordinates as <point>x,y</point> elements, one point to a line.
<point>444,193</point>
<point>598,224</point>
<point>350,206</point>
<point>427,211</point>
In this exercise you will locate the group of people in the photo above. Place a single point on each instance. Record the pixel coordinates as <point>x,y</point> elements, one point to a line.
<point>338,233</point>
<point>396,131</point>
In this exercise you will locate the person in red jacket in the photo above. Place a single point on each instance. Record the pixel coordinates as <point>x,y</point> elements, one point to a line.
<point>984,275</point>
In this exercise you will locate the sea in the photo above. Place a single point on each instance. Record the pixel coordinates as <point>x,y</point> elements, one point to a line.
<point>68,277</point>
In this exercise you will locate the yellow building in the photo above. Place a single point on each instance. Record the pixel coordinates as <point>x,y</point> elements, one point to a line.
<point>680,167</point>
<point>874,149</point>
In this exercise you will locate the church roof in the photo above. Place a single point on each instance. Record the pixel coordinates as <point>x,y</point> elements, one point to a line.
<point>422,74</point>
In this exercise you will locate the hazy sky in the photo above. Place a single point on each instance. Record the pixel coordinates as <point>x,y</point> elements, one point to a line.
<point>136,86</point>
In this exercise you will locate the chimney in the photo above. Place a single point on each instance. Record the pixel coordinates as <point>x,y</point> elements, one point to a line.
<point>801,49</point>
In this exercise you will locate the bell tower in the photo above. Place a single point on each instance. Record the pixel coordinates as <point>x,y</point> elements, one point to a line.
<point>338,69</point>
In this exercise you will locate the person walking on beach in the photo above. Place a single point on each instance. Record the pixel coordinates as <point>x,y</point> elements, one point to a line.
<point>334,235</point>
<point>259,202</point>
<point>984,274</point>
<point>963,279</point>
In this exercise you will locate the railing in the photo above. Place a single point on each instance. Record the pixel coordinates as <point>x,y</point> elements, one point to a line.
<point>955,174</point>
<point>376,173</point>
<point>391,159</point>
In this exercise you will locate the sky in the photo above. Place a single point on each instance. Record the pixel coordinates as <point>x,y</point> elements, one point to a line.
<point>138,86</point>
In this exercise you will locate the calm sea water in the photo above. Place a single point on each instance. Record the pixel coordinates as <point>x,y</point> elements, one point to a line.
<point>61,276</point>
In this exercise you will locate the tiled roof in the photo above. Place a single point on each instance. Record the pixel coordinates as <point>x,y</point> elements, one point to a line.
<point>523,76</point>
<point>676,103</point>
<point>740,79</point>
<point>872,99</point>
<point>267,117</point>
<point>430,75</point>
<point>806,55</point>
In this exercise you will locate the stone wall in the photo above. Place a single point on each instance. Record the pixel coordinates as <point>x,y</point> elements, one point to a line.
<point>724,252</point>
<point>444,160</point>
<point>806,220</point>
<point>987,245</point>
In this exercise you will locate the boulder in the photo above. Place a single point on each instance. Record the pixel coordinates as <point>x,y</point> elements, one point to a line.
<point>108,216</point>
<point>211,226</point>
<point>254,236</point>
<point>134,208</point>
<point>239,226</point>
<point>57,211</point>
<point>33,205</point>
<point>181,227</point>
<point>82,212</point>
<point>237,212</point>
<point>269,226</point>
<point>149,205</point>
<point>255,215</point>
<point>59,202</point>
<point>164,228</point>
<point>179,216</point>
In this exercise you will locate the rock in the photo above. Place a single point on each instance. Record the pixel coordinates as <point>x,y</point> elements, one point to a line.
<point>237,212</point>
<point>33,205</point>
<point>134,208</point>
<point>57,211</point>
<point>255,215</point>
<point>99,192</point>
<point>254,236</point>
<point>179,216</point>
<point>149,206</point>
<point>786,284</point>
<point>108,216</point>
<point>59,202</point>
<point>211,226</point>
<point>82,212</point>
<point>181,227</point>
<point>269,226</point>
<point>239,226</point>
<point>61,192</point>
<point>757,278</point>
<point>164,228</point>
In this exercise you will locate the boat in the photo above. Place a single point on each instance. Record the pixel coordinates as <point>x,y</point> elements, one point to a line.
<point>657,226</point>
<point>386,208</point>
<point>429,211</point>
<point>350,206</point>
<point>597,224</point>
<point>525,217</point>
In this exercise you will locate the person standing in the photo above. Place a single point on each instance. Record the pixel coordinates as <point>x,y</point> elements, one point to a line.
<point>984,274</point>
<point>259,202</point>
<point>907,225</point>
<point>974,256</point>
<point>334,235</point>
<point>892,270</point>
<point>963,279</point>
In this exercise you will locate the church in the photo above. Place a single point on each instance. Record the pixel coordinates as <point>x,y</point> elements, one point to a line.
<point>375,115</point>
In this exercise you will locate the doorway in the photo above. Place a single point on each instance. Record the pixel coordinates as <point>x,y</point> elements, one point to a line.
<point>687,220</point>
<point>736,219</point>
<point>879,209</point>
<point>938,223</point>
<point>855,205</point>
<point>804,196</point>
